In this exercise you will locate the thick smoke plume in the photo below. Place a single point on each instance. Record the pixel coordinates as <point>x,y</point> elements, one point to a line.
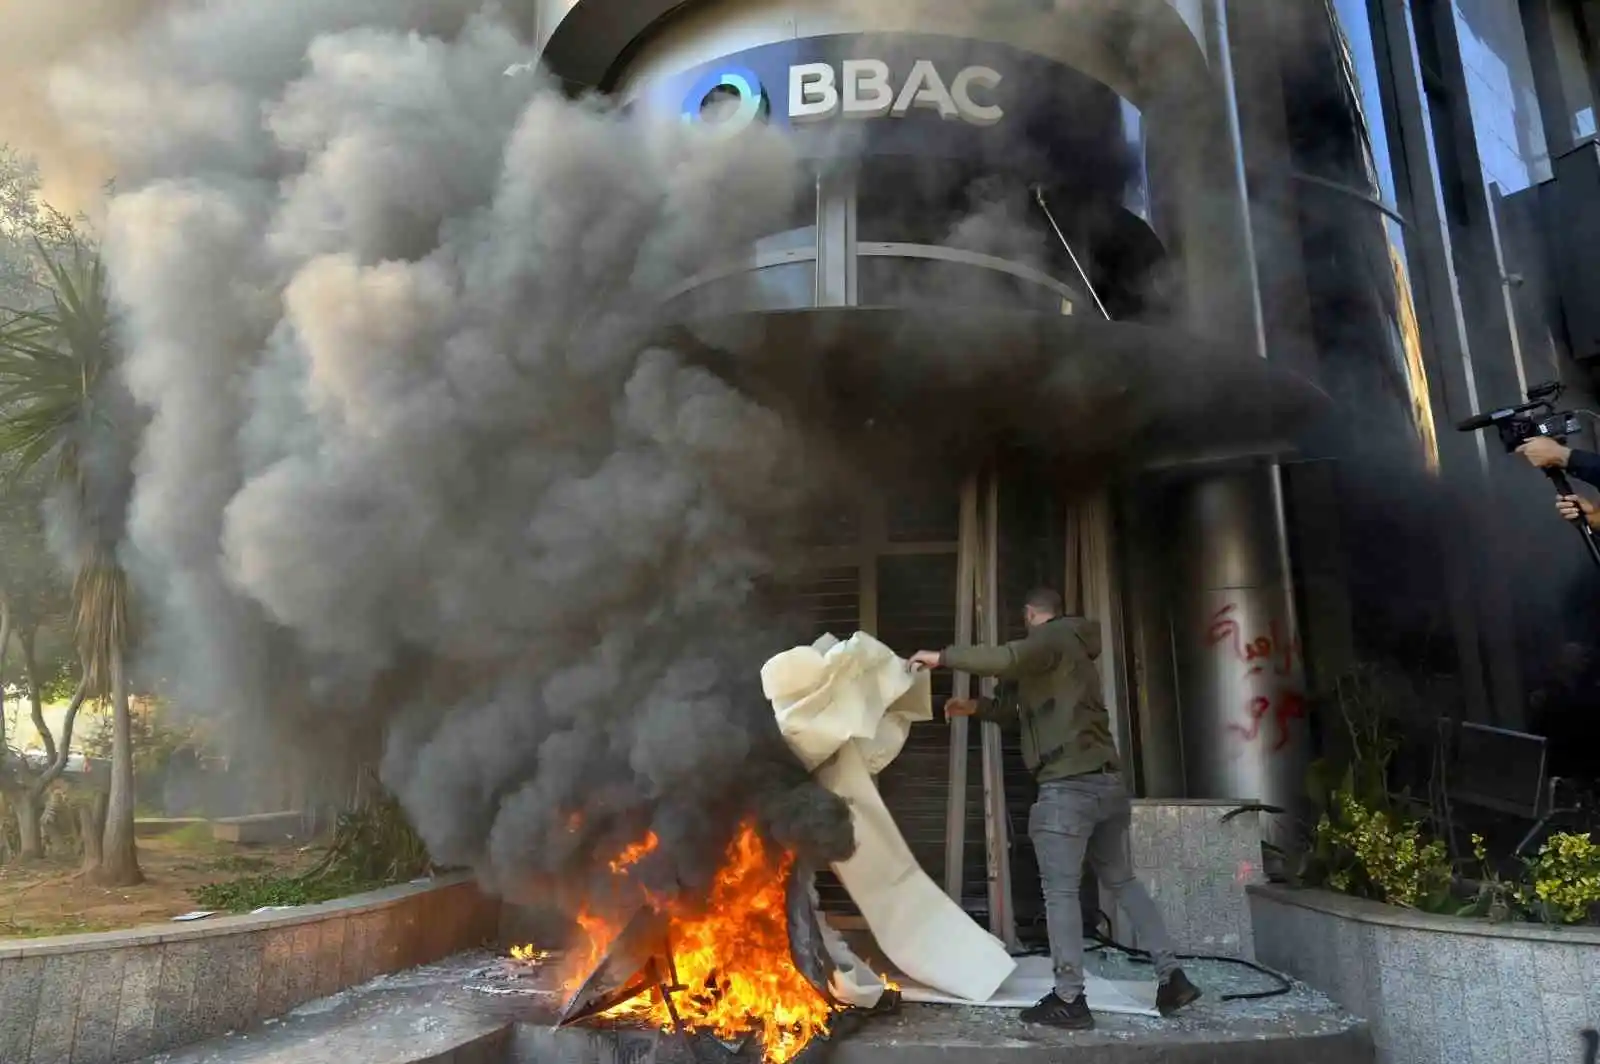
<point>412,467</point>
<point>33,38</point>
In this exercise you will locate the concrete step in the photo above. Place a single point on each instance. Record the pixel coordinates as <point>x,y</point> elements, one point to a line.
<point>1287,1033</point>
<point>414,1017</point>
<point>1296,1027</point>
<point>479,1010</point>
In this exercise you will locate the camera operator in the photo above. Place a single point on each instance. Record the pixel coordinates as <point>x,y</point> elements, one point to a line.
<point>1545,453</point>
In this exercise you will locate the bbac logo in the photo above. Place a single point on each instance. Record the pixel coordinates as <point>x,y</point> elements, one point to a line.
<point>727,102</point>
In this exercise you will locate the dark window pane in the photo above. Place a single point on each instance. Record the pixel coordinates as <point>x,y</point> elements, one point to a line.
<point>890,281</point>
<point>789,240</point>
<point>835,527</point>
<point>832,600</point>
<point>913,201</point>
<point>787,287</point>
<point>924,512</point>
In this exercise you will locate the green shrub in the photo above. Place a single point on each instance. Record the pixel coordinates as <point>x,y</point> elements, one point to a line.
<point>1378,854</point>
<point>1563,880</point>
<point>372,847</point>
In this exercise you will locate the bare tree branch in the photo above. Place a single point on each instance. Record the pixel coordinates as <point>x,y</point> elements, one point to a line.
<point>56,755</point>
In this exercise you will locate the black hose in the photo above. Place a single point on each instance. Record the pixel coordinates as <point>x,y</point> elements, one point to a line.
<point>1253,807</point>
<point>1141,956</point>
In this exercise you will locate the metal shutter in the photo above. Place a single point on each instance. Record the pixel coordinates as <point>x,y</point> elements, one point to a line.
<point>916,610</point>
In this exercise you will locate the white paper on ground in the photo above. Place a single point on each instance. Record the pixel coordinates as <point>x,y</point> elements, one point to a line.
<point>1033,980</point>
<point>845,709</point>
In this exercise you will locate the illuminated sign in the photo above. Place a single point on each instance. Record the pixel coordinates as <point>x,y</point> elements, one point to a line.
<point>863,88</point>
<point>730,100</point>
<point>727,102</point>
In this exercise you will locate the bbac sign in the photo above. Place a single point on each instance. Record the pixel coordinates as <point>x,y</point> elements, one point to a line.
<point>863,88</point>
<point>920,96</point>
<point>854,88</point>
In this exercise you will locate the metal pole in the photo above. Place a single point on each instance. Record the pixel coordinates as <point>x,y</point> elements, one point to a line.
<point>996,822</point>
<point>1102,602</point>
<point>1038,194</point>
<point>955,815</point>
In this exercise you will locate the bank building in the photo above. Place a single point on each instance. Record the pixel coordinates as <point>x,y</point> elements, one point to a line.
<point>1276,250</point>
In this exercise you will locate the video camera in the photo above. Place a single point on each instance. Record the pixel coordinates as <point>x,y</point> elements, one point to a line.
<point>1538,417</point>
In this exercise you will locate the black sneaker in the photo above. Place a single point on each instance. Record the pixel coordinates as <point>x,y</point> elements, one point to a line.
<point>1071,1015</point>
<point>1176,993</point>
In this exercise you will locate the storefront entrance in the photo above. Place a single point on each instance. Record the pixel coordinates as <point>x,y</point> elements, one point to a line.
<point>921,565</point>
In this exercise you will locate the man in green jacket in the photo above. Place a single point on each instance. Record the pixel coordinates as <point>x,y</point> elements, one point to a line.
<point>1051,691</point>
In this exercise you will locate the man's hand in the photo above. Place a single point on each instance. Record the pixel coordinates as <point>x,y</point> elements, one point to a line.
<point>1571,507</point>
<point>960,707</point>
<point>1545,453</point>
<point>924,659</point>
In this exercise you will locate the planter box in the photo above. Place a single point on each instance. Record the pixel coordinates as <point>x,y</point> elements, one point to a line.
<point>1437,988</point>
<point>118,996</point>
<point>258,828</point>
<point>1196,858</point>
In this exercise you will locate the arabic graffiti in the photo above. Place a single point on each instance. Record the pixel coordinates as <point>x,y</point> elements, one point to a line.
<point>1259,655</point>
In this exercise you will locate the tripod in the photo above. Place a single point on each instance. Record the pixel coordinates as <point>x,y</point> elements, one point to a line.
<point>1564,487</point>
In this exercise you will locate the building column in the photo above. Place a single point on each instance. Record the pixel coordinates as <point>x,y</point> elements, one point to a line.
<point>1240,674</point>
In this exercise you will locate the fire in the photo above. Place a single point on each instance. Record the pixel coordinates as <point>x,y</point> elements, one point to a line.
<point>736,973</point>
<point>634,854</point>
<point>600,936</point>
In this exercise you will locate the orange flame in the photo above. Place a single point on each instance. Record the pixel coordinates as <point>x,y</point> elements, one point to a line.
<point>736,975</point>
<point>634,854</point>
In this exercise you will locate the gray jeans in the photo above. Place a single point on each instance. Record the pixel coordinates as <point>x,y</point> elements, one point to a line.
<point>1088,816</point>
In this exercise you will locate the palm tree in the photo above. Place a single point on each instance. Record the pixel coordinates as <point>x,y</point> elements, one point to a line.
<point>56,367</point>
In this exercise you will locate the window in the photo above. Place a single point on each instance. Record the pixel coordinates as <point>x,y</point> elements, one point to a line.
<point>1442,107</point>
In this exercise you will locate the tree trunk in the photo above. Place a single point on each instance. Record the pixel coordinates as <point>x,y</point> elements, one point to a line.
<point>119,865</point>
<point>5,645</point>
<point>91,827</point>
<point>29,813</point>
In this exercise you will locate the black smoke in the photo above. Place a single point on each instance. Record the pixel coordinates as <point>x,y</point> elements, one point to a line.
<point>411,468</point>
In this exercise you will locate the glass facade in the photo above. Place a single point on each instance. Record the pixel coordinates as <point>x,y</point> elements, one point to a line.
<point>928,234</point>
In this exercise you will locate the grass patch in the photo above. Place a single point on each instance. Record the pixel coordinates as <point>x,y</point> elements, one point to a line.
<point>255,892</point>
<point>372,847</point>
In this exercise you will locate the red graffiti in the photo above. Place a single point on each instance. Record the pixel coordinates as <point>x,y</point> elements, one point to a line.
<point>1272,647</point>
<point>1290,706</point>
<point>1256,654</point>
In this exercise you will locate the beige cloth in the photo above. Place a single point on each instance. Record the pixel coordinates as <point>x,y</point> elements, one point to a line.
<point>845,709</point>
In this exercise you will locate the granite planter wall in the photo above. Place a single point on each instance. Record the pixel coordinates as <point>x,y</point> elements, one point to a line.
<point>1197,858</point>
<point>115,997</point>
<point>1436,989</point>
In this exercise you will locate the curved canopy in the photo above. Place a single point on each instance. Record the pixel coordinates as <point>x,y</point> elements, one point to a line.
<point>965,380</point>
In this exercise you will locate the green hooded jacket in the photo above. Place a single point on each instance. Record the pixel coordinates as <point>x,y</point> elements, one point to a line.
<point>1051,691</point>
